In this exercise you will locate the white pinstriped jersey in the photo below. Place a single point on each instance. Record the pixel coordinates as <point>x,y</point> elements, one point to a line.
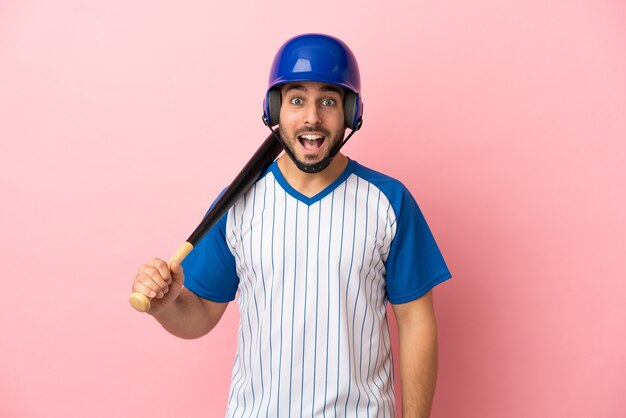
<point>313,277</point>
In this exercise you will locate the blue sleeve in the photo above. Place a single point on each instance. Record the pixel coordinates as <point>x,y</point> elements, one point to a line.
<point>210,270</point>
<point>415,264</point>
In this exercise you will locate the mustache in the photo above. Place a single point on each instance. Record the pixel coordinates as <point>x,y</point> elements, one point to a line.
<point>308,129</point>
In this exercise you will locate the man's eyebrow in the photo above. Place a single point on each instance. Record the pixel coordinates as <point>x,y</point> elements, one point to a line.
<point>295,87</point>
<point>330,87</point>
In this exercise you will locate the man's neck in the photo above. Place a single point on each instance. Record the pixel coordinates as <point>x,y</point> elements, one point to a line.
<point>311,184</point>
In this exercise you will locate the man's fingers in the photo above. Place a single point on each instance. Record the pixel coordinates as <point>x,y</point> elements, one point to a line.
<point>156,280</point>
<point>177,272</point>
<point>155,275</point>
<point>147,287</point>
<point>163,269</point>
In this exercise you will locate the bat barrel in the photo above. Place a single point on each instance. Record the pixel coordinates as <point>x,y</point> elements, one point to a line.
<point>249,174</point>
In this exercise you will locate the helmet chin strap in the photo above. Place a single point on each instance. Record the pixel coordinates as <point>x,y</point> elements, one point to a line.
<point>317,167</point>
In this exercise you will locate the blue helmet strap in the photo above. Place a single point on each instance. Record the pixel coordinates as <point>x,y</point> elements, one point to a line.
<point>317,167</point>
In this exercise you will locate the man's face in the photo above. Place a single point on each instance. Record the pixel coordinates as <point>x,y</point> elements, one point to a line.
<point>311,119</point>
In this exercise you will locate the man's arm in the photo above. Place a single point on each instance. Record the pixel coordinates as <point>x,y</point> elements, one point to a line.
<point>178,310</point>
<point>417,334</point>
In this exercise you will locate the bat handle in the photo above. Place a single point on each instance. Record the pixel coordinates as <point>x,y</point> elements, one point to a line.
<point>141,302</point>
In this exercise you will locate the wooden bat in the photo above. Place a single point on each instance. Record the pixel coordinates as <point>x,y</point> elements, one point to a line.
<point>262,158</point>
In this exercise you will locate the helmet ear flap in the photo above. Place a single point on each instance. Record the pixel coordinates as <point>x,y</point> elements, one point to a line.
<point>272,107</point>
<point>353,109</point>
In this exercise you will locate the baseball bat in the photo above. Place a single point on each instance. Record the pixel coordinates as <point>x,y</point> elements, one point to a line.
<point>249,174</point>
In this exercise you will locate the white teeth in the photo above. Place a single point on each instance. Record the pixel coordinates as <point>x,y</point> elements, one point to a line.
<point>311,137</point>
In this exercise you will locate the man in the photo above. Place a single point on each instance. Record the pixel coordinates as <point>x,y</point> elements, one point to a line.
<point>314,249</point>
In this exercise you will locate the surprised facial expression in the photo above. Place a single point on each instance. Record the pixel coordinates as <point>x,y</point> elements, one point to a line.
<point>311,119</point>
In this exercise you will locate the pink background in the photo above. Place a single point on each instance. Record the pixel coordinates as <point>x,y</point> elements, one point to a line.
<point>120,121</point>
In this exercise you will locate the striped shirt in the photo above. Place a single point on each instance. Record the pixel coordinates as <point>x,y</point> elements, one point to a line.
<point>312,276</point>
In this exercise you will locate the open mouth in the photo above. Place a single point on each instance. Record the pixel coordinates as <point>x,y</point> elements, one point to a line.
<point>311,142</point>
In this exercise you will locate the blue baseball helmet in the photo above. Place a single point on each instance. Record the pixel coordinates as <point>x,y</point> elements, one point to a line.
<point>315,57</point>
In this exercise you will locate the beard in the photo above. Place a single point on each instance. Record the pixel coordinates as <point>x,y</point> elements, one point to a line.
<point>331,140</point>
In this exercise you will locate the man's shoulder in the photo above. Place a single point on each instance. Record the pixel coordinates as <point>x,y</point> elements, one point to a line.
<point>389,185</point>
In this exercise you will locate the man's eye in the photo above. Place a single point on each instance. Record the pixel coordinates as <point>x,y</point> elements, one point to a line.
<point>296,101</point>
<point>328,102</point>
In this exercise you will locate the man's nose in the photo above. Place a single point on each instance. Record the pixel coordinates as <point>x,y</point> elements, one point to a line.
<point>312,114</point>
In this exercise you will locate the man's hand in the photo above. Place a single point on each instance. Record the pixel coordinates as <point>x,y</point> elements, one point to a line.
<point>178,310</point>
<point>160,282</point>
